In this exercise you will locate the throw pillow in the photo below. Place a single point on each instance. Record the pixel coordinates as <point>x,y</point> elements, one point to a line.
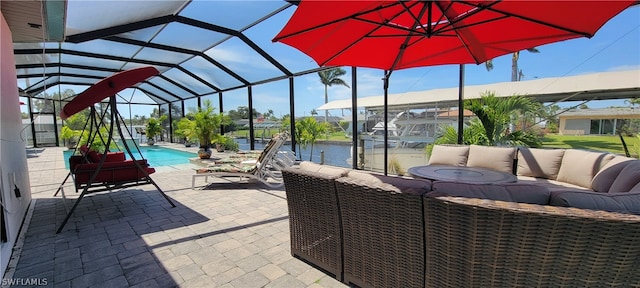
<point>492,157</point>
<point>94,156</point>
<point>539,163</point>
<point>449,155</point>
<point>627,179</point>
<point>605,177</point>
<point>579,167</point>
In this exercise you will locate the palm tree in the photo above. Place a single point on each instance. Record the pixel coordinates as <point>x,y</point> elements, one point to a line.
<point>516,75</point>
<point>331,77</point>
<point>633,101</point>
<point>495,114</point>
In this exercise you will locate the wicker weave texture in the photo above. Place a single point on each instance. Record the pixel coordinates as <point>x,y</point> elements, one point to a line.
<point>314,219</point>
<point>383,235</point>
<point>484,243</point>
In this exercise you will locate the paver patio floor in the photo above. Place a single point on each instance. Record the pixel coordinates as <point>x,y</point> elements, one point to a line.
<point>225,235</point>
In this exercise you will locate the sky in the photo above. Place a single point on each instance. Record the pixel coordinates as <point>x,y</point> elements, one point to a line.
<point>615,47</point>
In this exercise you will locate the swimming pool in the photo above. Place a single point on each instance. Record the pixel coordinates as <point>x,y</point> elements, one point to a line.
<point>156,156</point>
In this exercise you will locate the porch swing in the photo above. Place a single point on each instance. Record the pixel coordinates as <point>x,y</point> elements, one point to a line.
<point>97,172</point>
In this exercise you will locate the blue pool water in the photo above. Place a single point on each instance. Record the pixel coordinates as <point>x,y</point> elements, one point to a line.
<point>155,155</point>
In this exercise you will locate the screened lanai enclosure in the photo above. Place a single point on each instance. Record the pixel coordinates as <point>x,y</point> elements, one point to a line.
<point>201,48</point>
<point>218,51</point>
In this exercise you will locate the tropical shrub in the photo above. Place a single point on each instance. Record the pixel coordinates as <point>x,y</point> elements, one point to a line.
<point>491,127</point>
<point>496,115</point>
<point>308,130</point>
<point>69,136</point>
<point>96,140</point>
<point>154,126</point>
<point>226,142</point>
<point>203,124</point>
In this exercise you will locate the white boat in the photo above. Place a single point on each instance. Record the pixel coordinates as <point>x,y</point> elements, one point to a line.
<point>409,134</point>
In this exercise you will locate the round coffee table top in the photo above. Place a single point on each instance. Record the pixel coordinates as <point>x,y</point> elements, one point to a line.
<point>461,174</point>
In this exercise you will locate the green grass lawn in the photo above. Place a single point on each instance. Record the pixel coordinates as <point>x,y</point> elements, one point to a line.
<point>588,142</point>
<point>600,143</point>
<point>258,133</point>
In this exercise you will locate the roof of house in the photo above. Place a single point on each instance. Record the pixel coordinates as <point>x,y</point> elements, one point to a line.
<point>596,86</point>
<point>602,112</point>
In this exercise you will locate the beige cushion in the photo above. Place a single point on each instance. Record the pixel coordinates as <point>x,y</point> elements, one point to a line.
<point>579,167</point>
<point>492,157</point>
<point>511,192</point>
<point>628,178</point>
<point>449,155</point>
<point>399,182</point>
<point>539,163</point>
<point>552,185</point>
<point>380,185</point>
<point>324,169</point>
<point>309,166</point>
<point>605,177</point>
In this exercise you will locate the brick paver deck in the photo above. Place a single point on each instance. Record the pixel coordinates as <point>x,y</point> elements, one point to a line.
<point>225,235</point>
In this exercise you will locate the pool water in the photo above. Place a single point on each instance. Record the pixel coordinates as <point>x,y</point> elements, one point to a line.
<point>155,155</point>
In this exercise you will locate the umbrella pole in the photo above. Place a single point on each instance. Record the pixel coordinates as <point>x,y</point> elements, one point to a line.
<point>386,116</point>
<point>460,104</point>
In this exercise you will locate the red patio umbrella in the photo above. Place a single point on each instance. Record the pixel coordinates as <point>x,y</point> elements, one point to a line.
<point>394,35</point>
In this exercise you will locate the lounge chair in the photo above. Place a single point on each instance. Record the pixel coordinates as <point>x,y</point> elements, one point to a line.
<point>268,165</point>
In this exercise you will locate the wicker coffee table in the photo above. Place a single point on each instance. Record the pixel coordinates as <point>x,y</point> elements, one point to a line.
<point>461,174</point>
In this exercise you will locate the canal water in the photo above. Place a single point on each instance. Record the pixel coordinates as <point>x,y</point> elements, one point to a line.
<point>335,154</point>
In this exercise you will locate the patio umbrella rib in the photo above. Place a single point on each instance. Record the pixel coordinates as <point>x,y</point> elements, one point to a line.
<point>407,39</point>
<point>468,39</point>
<point>328,23</point>
<point>572,31</point>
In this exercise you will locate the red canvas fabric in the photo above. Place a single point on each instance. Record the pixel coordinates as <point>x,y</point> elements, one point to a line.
<point>111,172</point>
<point>107,87</point>
<point>371,33</point>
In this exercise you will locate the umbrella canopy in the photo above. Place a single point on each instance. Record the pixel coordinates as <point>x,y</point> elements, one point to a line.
<point>107,87</point>
<point>394,35</point>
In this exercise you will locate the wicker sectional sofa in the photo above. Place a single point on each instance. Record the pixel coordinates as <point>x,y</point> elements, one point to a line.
<point>371,230</point>
<point>575,178</point>
<point>330,224</point>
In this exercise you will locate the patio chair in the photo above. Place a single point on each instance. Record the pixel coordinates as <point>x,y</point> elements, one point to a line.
<point>268,165</point>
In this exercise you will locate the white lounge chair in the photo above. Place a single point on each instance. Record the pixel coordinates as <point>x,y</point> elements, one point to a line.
<point>267,166</point>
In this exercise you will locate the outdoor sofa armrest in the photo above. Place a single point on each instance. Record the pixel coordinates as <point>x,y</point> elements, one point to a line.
<point>471,242</point>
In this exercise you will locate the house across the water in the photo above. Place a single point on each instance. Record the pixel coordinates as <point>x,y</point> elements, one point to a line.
<point>604,121</point>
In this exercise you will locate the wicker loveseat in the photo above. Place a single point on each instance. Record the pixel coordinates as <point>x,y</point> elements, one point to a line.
<point>381,231</point>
